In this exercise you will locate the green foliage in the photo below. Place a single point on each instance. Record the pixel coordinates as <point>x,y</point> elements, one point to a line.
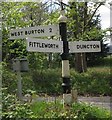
<point>53,17</point>
<point>27,83</point>
<point>12,18</point>
<point>9,79</point>
<point>94,82</point>
<point>37,60</point>
<point>84,25</point>
<point>12,108</point>
<point>19,15</point>
<point>46,110</point>
<point>106,61</point>
<point>84,111</point>
<point>84,22</point>
<point>47,80</point>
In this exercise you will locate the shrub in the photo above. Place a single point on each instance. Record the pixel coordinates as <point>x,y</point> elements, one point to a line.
<point>47,80</point>
<point>12,108</point>
<point>96,81</point>
<point>9,80</point>
<point>86,112</point>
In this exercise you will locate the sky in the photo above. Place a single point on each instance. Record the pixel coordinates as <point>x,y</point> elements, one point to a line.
<point>105,16</point>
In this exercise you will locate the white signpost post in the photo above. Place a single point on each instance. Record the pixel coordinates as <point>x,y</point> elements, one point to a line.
<point>38,31</point>
<point>41,45</point>
<point>84,46</point>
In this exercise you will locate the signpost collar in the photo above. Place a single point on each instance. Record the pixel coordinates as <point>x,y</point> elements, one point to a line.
<point>62,17</point>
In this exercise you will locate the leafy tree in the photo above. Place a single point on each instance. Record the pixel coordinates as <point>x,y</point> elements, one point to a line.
<point>85,24</point>
<point>18,15</point>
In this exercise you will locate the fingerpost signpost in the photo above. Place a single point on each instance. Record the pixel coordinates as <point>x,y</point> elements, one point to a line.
<point>55,46</point>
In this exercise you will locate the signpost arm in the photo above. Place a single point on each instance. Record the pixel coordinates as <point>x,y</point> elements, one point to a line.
<point>65,61</point>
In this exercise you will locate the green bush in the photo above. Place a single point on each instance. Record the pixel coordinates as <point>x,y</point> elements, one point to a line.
<point>47,81</point>
<point>86,112</point>
<point>9,79</point>
<point>12,108</point>
<point>96,81</point>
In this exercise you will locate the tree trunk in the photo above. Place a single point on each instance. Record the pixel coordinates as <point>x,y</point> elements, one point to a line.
<point>78,67</point>
<point>80,58</point>
<point>80,62</point>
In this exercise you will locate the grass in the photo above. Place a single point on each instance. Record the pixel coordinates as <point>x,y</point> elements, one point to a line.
<point>78,111</point>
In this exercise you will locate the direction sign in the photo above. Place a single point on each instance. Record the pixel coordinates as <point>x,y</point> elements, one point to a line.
<point>38,31</point>
<point>84,46</point>
<point>42,45</point>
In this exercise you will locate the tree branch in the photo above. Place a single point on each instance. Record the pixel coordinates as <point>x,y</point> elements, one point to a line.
<point>93,14</point>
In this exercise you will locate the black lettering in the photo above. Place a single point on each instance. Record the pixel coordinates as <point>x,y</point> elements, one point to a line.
<point>35,31</point>
<point>25,32</point>
<point>78,46</point>
<point>57,46</point>
<point>97,46</point>
<point>32,31</point>
<point>51,46</point>
<point>38,44</point>
<point>94,46</point>
<point>42,30</point>
<point>15,33</point>
<point>18,33</point>
<point>38,30</point>
<point>50,29</point>
<point>34,44</point>
<point>29,32</point>
<point>88,46</point>
<point>83,46</point>
<point>48,45</point>
<point>12,34</point>
<point>21,32</point>
<point>30,44</point>
<point>45,45</point>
